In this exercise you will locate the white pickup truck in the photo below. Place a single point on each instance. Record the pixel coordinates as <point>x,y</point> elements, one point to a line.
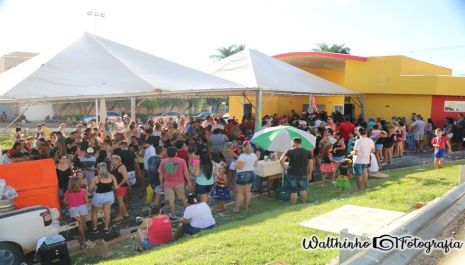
<point>21,229</point>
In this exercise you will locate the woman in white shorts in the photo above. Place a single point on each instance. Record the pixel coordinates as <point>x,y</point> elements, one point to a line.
<point>102,186</point>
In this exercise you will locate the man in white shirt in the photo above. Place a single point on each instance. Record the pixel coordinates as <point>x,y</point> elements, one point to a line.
<point>120,126</point>
<point>149,152</point>
<point>362,151</point>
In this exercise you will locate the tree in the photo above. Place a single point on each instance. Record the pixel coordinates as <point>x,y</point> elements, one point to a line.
<point>335,48</point>
<point>193,103</point>
<point>224,52</point>
<point>215,103</point>
<point>150,104</point>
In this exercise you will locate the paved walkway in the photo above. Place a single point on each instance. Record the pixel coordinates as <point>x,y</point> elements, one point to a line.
<point>421,158</point>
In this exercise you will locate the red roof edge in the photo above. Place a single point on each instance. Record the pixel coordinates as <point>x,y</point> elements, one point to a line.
<point>322,54</point>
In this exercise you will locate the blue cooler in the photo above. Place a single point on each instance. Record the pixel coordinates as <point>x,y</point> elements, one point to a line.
<point>54,251</point>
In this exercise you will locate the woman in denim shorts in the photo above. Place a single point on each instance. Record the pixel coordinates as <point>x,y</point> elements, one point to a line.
<point>102,186</point>
<point>245,166</point>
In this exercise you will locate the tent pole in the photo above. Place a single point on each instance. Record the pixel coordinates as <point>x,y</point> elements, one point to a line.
<point>133,109</point>
<point>96,110</point>
<point>243,104</point>
<point>258,109</point>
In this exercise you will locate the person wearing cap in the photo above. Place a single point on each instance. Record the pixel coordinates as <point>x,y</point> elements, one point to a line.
<point>371,122</point>
<point>197,217</point>
<point>87,163</point>
<point>174,175</point>
<point>121,175</point>
<point>303,125</point>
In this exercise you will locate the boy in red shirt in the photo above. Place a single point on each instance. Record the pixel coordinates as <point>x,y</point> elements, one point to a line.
<point>439,143</point>
<point>182,152</point>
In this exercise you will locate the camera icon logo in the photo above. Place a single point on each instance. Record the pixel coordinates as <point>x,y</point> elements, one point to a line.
<point>385,243</point>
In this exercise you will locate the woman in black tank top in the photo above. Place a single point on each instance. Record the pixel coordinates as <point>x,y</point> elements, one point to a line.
<point>121,175</point>
<point>339,147</point>
<point>102,186</point>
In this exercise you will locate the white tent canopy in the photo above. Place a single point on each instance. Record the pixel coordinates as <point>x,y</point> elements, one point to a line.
<point>257,70</point>
<point>94,67</point>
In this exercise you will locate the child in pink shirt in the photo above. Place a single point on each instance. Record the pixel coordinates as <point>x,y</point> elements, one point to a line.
<point>76,199</point>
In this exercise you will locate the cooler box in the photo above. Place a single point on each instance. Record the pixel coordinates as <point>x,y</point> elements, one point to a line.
<point>54,251</point>
<point>268,168</point>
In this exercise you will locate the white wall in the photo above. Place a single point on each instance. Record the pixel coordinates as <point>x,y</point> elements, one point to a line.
<point>38,112</point>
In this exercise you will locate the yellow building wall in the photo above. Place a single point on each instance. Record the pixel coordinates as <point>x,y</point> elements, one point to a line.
<point>281,104</point>
<point>385,106</point>
<point>410,66</point>
<point>269,105</point>
<point>401,75</point>
<point>372,76</point>
<point>337,77</point>
<point>450,86</point>
<point>393,85</point>
<point>288,103</point>
<point>235,107</point>
<point>329,102</point>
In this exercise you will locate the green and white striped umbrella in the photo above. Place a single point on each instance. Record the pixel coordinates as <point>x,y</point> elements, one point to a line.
<point>279,139</point>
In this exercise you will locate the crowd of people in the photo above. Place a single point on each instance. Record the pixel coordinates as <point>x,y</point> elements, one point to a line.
<point>197,162</point>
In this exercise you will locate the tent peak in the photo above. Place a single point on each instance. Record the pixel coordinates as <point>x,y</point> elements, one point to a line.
<point>253,68</point>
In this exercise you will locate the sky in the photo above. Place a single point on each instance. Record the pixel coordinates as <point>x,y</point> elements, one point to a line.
<point>188,32</point>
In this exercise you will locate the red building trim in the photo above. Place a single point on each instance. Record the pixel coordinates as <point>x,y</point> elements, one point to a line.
<point>322,54</point>
<point>438,115</point>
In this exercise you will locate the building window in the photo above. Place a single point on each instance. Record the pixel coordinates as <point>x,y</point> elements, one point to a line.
<point>304,107</point>
<point>454,106</point>
<point>339,108</point>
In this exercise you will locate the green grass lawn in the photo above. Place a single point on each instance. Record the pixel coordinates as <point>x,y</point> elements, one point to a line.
<point>270,232</point>
<point>6,141</point>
